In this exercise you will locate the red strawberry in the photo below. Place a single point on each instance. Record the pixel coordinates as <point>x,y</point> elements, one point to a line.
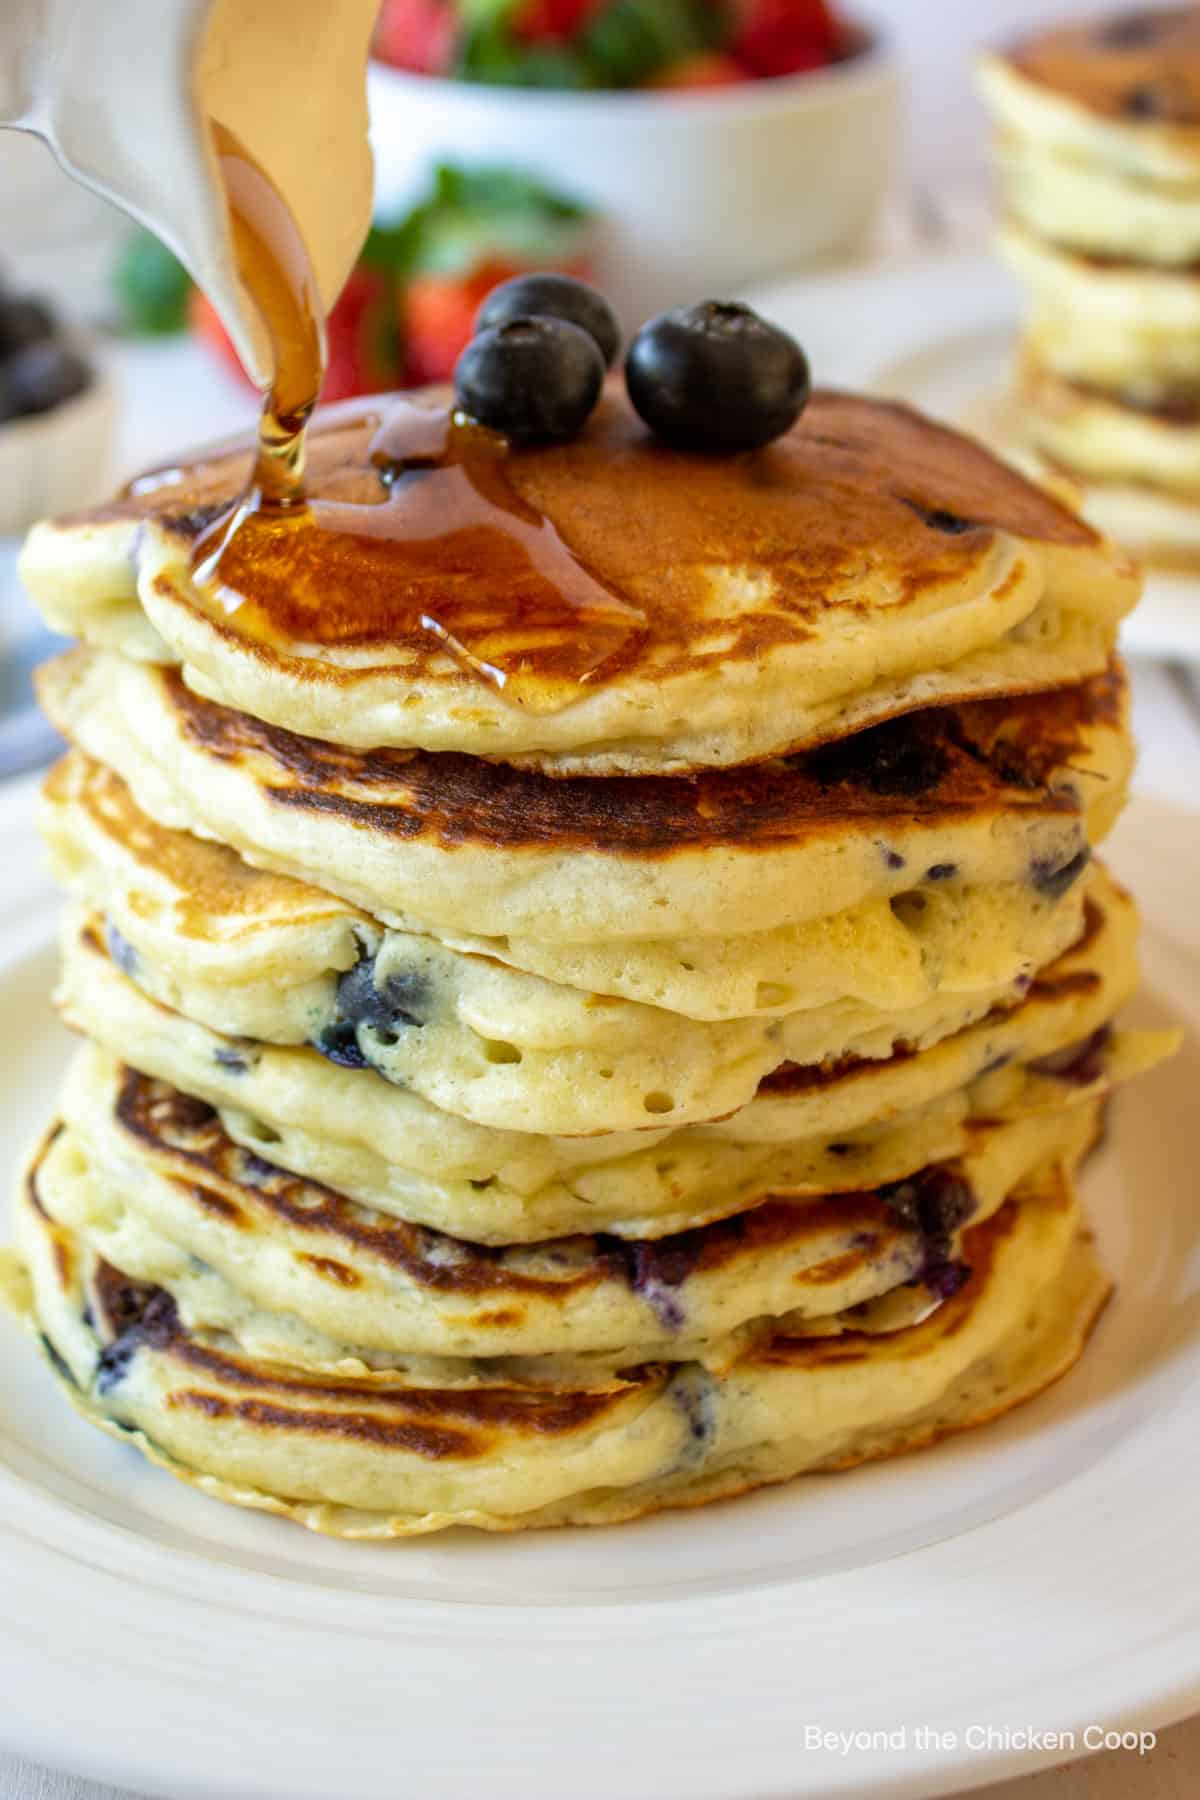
<point>439,316</point>
<point>783,37</point>
<point>706,69</point>
<point>363,342</point>
<point>417,35</point>
<point>364,346</point>
<point>439,311</point>
<point>551,21</point>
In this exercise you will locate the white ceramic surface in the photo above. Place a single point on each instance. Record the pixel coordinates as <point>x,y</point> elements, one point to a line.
<point>940,332</point>
<point>1043,1573</point>
<point>700,192</point>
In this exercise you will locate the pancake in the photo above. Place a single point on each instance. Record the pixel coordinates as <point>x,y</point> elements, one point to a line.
<point>151,1180</point>
<point>1099,134</point>
<point>1115,324</point>
<point>1098,148</point>
<point>868,563</point>
<point>1161,529</point>
<point>1004,791</point>
<point>808,1129</point>
<point>1115,437</point>
<point>262,955</point>
<point>1100,210</point>
<point>484,1041</point>
<point>387,1455</point>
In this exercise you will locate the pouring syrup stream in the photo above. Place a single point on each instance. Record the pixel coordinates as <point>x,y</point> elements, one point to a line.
<point>431,543</point>
<point>274,266</point>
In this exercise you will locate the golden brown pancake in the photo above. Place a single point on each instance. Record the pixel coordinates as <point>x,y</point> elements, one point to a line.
<point>263,955</point>
<point>808,1130</point>
<point>1139,64</point>
<point>867,563</point>
<point>1002,790</point>
<point>395,1452</point>
<point>152,1180</point>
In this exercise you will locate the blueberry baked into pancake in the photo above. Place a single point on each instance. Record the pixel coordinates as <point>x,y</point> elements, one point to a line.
<point>594,973</point>
<point>1098,152</point>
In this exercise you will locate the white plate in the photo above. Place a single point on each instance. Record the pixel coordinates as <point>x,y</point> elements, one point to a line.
<point>1042,1574</point>
<point>940,333</point>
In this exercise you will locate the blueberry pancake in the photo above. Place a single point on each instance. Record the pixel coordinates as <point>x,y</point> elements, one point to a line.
<point>390,1452</point>
<point>1122,328</point>
<point>153,1181</point>
<point>595,974</point>
<point>1000,791</point>
<point>808,1129</point>
<point>493,1044</point>
<point>1098,150</point>
<point>1099,134</point>
<point>736,607</point>
<point>270,952</point>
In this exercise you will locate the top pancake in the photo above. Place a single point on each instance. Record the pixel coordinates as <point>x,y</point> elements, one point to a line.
<point>868,563</point>
<point>1141,64</point>
<point>1114,102</point>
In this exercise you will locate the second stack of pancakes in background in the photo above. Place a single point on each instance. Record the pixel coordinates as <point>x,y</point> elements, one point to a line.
<point>548,1064</point>
<point>1098,149</point>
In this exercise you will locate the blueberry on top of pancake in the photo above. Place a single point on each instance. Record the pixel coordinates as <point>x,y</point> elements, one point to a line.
<point>605,606</point>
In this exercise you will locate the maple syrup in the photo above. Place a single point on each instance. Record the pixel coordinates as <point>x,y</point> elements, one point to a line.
<point>432,543</point>
<point>273,265</point>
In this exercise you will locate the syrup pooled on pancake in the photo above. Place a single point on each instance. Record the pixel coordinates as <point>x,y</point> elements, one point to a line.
<point>436,542</point>
<point>603,606</point>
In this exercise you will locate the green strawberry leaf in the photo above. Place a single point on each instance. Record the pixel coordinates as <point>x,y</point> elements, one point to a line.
<point>151,287</point>
<point>470,214</point>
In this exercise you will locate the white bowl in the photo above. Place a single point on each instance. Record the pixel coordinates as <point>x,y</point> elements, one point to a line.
<point>55,461</point>
<point>701,192</point>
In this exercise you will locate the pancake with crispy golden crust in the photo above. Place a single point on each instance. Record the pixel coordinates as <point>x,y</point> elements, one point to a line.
<point>261,955</point>
<point>393,1453</point>
<point>808,1130</point>
<point>1003,790</point>
<point>867,563</point>
<point>500,1046</point>
<point>154,1183</point>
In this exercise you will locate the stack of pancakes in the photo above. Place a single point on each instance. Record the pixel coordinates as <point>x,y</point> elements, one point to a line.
<point>1098,144</point>
<point>542,1106</point>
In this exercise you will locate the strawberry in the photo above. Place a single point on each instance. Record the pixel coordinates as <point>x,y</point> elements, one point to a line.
<point>363,343</point>
<point>784,37</point>
<point>417,34</point>
<point>439,316</point>
<point>706,69</point>
<point>550,21</point>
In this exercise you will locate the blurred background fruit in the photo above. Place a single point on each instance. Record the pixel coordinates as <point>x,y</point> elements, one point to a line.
<point>611,43</point>
<point>717,144</point>
<point>406,312</point>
